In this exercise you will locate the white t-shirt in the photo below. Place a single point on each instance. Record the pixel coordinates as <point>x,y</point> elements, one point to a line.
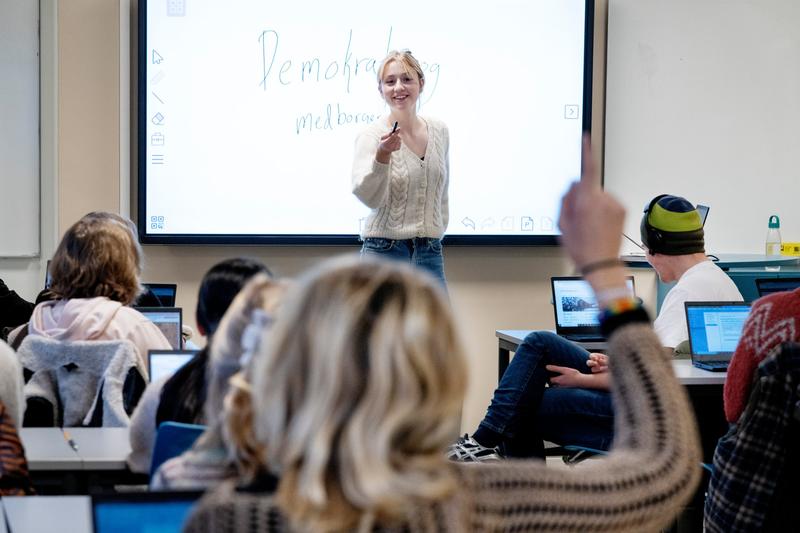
<point>704,282</point>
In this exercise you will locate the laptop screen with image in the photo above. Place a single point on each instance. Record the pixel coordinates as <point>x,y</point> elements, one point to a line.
<point>168,320</point>
<point>576,309</point>
<point>715,328</point>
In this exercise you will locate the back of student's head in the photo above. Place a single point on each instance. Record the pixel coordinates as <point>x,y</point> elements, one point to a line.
<point>186,389</point>
<point>357,391</point>
<point>234,343</point>
<point>220,286</point>
<point>99,255</point>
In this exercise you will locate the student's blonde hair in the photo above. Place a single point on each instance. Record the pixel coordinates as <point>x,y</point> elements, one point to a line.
<point>406,60</point>
<point>99,255</point>
<point>232,346</point>
<point>357,394</point>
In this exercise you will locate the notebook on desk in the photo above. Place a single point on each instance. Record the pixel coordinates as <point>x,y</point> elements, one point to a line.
<point>142,511</point>
<point>576,310</point>
<point>169,320</point>
<point>714,331</point>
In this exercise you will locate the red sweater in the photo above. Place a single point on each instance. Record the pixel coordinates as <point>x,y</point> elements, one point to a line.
<point>773,320</point>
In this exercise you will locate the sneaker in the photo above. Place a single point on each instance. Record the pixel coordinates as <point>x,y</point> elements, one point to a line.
<point>468,450</point>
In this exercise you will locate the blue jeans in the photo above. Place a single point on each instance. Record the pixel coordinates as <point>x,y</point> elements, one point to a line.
<point>524,411</point>
<point>422,252</point>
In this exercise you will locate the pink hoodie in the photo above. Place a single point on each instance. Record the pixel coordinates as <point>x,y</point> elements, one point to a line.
<point>96,319</point>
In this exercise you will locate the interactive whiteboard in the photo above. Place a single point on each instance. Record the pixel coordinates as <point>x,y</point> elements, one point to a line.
<point>249,111</point>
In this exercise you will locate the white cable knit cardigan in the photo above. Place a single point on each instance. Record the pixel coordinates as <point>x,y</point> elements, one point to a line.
<point>408,196</point>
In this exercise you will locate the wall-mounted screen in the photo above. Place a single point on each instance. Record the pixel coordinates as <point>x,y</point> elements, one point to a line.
<point>249,111</point>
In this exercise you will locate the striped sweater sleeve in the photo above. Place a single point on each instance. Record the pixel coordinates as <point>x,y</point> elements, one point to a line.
<point>651,471</point>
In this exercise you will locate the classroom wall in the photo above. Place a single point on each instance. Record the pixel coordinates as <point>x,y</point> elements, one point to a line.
<point>490,287</point>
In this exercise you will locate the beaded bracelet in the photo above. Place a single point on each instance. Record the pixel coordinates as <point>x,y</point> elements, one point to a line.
<point>619,306</point>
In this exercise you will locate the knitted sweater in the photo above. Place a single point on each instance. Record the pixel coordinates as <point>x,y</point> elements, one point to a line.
<point>773,320</point>
<point>408,196</point>
<point>652,469</point>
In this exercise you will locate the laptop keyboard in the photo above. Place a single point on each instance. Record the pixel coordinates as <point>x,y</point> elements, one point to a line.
<point>714,366</point>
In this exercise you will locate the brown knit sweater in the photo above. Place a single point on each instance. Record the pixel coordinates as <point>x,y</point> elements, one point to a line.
<point>652,469</point>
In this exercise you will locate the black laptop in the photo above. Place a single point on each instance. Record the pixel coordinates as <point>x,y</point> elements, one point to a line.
<point>714,332</point>
<point>576,309</point>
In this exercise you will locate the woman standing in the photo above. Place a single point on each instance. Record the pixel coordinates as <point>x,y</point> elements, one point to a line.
<point>401,172</point>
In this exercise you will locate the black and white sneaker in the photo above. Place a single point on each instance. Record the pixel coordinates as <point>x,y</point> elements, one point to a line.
<point>468,450</point>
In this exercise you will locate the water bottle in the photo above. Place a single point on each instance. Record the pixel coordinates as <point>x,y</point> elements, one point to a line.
<point>774,236</point>
<point>773,243</point>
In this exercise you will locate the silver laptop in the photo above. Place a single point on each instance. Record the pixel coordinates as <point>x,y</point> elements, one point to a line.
<point>169,320</point>
<point>576,311</point>
<point>714,332</point>
<point>162,363</point>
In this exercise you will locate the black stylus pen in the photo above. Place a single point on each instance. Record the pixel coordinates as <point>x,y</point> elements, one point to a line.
<point>395,126</point>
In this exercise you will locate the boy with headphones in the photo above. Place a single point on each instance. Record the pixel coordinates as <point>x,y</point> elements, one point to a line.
<point>576,407</point>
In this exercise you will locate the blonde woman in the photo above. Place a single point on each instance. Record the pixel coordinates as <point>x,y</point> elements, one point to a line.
<point>213,457</point>
<point>401,171</point>
<point>357,391</point>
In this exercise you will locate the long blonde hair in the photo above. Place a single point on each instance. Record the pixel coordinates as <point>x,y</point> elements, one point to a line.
<point>232,346</point>
<point>358,391</point>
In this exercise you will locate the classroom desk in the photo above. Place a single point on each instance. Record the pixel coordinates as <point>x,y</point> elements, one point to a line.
<point>509,339</point>
<point>46,450</point>
<point>102,448</point>
<point>98,461</point>
<point>46,514</point>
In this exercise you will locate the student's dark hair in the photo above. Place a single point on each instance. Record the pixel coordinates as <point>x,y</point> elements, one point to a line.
<point>220,286</point>
<point>184,394</point>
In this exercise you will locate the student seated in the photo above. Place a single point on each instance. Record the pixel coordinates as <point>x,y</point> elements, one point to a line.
<point>576,407</point>
<point>14,310</point>
<point>181,397</point>
<point>211,459</point>
<point>359,385</point>
<point>95,275</point>
<point>14,478</point>
<point>11,384</point>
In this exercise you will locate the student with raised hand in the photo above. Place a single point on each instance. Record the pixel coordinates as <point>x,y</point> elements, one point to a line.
<point>213,457</point>
<point>401,171</point>
<point>359,385</point>
<point>181,397</point>
<point>95,274</point>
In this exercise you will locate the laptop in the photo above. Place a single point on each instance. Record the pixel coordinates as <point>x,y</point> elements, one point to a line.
<point>162,363</point>
<point>576,309</point>
<point>139,512</point>
<point>158,295</point>
<point>714,332</point>
<point>169,320</point>
<point>771,285</point>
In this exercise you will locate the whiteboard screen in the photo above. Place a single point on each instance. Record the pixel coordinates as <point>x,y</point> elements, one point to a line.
<point>249,111</point>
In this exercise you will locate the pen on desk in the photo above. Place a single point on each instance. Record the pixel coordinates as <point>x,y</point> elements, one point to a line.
<point>68,438</point>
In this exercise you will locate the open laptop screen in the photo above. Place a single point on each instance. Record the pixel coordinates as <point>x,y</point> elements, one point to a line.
<point>715,327</point>
<point>576,309</point>
<point>142,512</point>
<point>168,320</point>
<point>162,363</point>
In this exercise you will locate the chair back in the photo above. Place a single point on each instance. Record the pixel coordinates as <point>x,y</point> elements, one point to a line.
<point>756,464</point>
<point>172,439</point>
<point>82,383</point>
